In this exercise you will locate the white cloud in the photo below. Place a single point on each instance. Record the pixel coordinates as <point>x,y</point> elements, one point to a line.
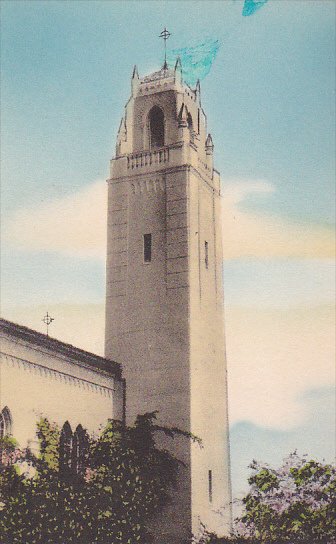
<point>71,225</point>
<point>76,225</point>
<point>274,356</point>
<point>279,283</point>
<point>247,234</point>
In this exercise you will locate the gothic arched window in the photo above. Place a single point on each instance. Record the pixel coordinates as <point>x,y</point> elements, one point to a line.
<point>156,127</point>
<point>74,450</point>
<point>5,422</point>
<point>190,121</point>
<point>5,428</point>
<point>191,127</point>
<point>65,453</point>
<point>80,450</point>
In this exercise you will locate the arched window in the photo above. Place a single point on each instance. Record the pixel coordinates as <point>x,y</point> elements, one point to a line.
<point>190,126</point>
<point>74,450</point>
<point>5,428</point>
<point>190,121</point>
<point>5,422</point>
<point>65,453</point>
<point>156,127</point>
<point>80,450</point>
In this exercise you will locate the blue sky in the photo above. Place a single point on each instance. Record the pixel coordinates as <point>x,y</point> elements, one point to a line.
<point>273,443</point>
<point>269,98</point>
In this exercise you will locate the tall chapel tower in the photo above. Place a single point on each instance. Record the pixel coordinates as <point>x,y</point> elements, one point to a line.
<point>164,300</point>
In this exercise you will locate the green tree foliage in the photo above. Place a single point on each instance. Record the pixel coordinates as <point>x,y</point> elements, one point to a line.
<point>126,479</point>
<point>292,504</point>
<point>48,435</point>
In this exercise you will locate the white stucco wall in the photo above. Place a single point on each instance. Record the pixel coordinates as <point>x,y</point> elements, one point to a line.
<point>35,382</point>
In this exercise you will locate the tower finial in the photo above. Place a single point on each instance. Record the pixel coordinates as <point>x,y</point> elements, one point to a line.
<point>178,64</point>
<point>183,117</point>
<point>178,69</point>
<point>165,35</point>
<point>135,79</point>
<point>209,146</point>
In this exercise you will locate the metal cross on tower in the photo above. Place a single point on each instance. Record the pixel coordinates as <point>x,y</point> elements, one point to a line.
<point>47,320</point>
<point>165,35</point>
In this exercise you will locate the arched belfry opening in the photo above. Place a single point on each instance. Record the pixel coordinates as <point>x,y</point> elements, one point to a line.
<point>190,121</point>
<point>190,126</point>
<point>156,127</point>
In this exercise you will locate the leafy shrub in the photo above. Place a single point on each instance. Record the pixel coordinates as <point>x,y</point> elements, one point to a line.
<point>126,480</point>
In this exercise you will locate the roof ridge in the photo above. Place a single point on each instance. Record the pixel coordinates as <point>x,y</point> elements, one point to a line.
<point>40,338</point>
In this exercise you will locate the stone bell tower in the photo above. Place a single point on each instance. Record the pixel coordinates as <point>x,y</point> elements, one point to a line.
<point>164,299</point>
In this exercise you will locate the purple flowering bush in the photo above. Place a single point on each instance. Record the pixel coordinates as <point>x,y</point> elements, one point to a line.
<point>295,503</point>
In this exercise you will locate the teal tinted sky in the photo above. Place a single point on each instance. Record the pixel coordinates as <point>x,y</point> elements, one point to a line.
<point>269,98</point>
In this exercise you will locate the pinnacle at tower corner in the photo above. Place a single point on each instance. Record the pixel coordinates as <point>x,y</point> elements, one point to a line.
<point>164,296</point>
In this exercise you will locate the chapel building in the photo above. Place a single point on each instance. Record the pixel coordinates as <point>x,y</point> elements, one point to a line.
<point>43,377</point>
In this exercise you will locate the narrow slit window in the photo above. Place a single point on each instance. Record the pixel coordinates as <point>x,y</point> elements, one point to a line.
<point>147,248</point>
<point>198,121</point>
<point>210,485</point>
<point>206,254</point>
<point>2,426</point>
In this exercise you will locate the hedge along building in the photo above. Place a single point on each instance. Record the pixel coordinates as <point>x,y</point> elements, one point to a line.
<point>164,298</point>
<point>41,376</point>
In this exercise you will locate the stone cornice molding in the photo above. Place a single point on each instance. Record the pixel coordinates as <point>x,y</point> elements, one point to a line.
<point>162,171</point>
<point>58,375</point>
<point>51,346</point>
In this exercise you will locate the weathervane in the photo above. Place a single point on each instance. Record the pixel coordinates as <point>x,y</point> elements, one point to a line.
<point>165,35</point>
<point>47,320</point>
